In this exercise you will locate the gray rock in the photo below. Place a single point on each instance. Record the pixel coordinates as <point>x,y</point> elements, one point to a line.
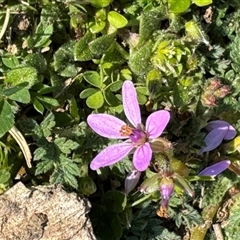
<point>44,212</point>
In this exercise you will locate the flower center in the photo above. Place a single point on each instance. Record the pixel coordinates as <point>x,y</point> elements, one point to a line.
<point>137,136</point>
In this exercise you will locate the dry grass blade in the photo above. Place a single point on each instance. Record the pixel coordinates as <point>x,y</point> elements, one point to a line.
<point>17,135</point>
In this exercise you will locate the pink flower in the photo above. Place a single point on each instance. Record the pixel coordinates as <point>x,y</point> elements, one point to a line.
<point>138,137</point>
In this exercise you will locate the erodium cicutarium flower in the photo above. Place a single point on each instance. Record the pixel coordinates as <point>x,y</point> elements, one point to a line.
<point>138,138</point>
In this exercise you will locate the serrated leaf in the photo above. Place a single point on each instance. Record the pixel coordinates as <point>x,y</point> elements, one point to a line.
<point>117,20</point>
<point>70,167</point>
<point>18,93</point>
<point>70,179</point>
<point>93,78</point>
<point>7,117</point>
<point>88,92</point>
<point>66,146</point>
<point>44,166</point>
<point>178,6</point>
<point>22,75</point>
<point>100,45</point>
<point>95,101</point>
<point>39,153</point>
<point>81,48</point>
<point>47,124</point>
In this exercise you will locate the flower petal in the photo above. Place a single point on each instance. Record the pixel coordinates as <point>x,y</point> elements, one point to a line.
<point>131,180</point>
<point>130,103</point>
<point>231,133</point>
<point>214,139</point>
<point>111,155</point>
<point>106,125</point>
<point>156,123</point>
<point>142,157</point>
<point>215,169</point>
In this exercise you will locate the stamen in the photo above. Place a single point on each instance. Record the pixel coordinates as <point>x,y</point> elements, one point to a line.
<point>126,130</point>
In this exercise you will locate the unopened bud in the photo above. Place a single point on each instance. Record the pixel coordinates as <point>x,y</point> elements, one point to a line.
<point>222,92</point>
<point>208,100</point>
<point>132,180</point>
<point>166,190</point>
<point>214,84</point>
<point>160,145</point>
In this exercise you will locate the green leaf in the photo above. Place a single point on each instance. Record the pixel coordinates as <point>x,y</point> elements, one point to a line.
<point>4,176</point>
<point>10,62</point>
<point>100,45</point>
<point>232,229</point>
<point>37,61</point>
<point>44,166</point>
<point>47,124</point>
<point>48,101</point>
<point>100,3</point>
<point>66,146</point>
<point>95,101</point>
<point>22,75</point>
<point>81,48</point>
<point>178,6</point>
<point>38,106</point>
<point>43,35</point>
<point>96,27</point>
<point>7,117</point>
<point>115,86</point>
<point>117,20</point>
<point>70,179</point>
<point>88,92</point>
<point>18,93</point>
<point>149,22</point>
<point>202,3</point>
<point>93,78</point>
<point>70,167</point>
<point>111,98</point>
<point>73,108</point>
<point>39,153</point>
<point>64,60</point>
<point>139,61</point>
<point>115,200</point>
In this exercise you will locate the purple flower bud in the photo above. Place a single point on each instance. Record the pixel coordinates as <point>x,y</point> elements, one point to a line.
<point>166,190</point>
<point>132,180</point>
<point>215,169</point>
